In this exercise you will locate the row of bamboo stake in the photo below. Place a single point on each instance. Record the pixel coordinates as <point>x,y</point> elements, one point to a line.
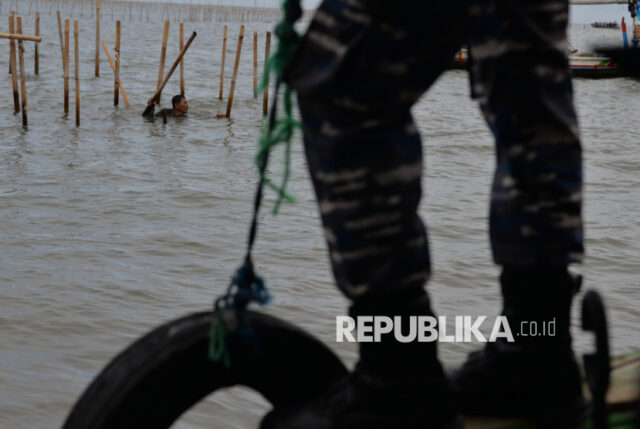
<point>265,103</point>
<point>174,11</point>
<point>115,65</point>
<point>163,52</point>
<point>14,35</point>
<point>162,80</point>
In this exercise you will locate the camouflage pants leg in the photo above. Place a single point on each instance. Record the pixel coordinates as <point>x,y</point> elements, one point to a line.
<point>521,76</point>
<point>358,72</point>
<point>359,69</point>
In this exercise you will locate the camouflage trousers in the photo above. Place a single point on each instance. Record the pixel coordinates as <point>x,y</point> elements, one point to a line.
<point>360,67</point>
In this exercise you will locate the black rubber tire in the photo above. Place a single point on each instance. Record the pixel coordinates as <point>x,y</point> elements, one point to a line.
<point>167,371</point>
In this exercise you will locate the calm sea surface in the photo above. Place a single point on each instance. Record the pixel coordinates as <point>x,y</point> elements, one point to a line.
<point>112,228</point>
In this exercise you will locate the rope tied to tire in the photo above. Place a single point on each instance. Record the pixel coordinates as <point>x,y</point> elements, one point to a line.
<point>246,286</point>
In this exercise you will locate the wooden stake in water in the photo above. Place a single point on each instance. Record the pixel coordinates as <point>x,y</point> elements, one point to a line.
<point>265,99</point>
<point>12,15</point>
<point>12,65</point>
<point>235,72</point>
<point>116,81</point>
<point>182,60</point>
<point>23,37</point>
<point>36,64</point>
<point>224,53</point>
<point>255,64</point>
<point>61,40</point>
<point>113,67</point>
<point>23,79</point>
<point>97,38</point>
<point>77,73</point>
<point>163,55</point>
<point>16,36</point>
<point>66,66</point>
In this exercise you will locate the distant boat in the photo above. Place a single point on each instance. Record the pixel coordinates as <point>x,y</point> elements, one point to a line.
<point>589,65</point>
<point>583,65</point>
<point>607,25</point>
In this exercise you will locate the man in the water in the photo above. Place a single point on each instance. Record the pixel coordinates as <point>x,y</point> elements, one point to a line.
<point>179,109</point>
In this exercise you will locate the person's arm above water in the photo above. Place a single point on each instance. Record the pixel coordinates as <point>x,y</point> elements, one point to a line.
<point>150,110</point>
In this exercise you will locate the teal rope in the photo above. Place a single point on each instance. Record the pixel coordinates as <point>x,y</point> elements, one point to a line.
<point>282,133</point>
<point>218,340</point>
<point>283,126</point>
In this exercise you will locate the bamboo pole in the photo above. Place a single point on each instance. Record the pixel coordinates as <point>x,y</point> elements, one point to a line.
<point>12,65</point>
<point>265,99</point>
<point>97,38</point>
<point>16,36</point>
<point>163,55</point>
<point>23,79</point>
<point>12,15</point>
<point>182,60</point>
<point>66,66</point>
<point>116,80</point>
<point>235,72</point>
<point>36,61</point>
<point>156,96</point>
<point>61,40</point>
<point>77,71</point>
<point>113,67</point>
<point>224,53</point>
<point>255,64</point>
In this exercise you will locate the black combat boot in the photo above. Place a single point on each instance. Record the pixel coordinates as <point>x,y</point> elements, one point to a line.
<point>394,385</point>
<point>536,377</point>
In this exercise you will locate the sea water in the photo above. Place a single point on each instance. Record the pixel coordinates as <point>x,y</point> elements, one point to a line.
<point>109,229</point>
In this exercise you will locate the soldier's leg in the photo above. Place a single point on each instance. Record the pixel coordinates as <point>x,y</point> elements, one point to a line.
<point>358,72</point>
<point>361,67</point>
<point>524,86</point>
<point>522,79</point>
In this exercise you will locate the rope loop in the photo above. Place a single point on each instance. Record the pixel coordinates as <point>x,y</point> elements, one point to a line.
<point>249,287</point>
<point>245,287</point>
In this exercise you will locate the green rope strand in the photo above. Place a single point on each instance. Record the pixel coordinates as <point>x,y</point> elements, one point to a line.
<point>218,340</point>
<point>285,125</point>
<point>282,133</point>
